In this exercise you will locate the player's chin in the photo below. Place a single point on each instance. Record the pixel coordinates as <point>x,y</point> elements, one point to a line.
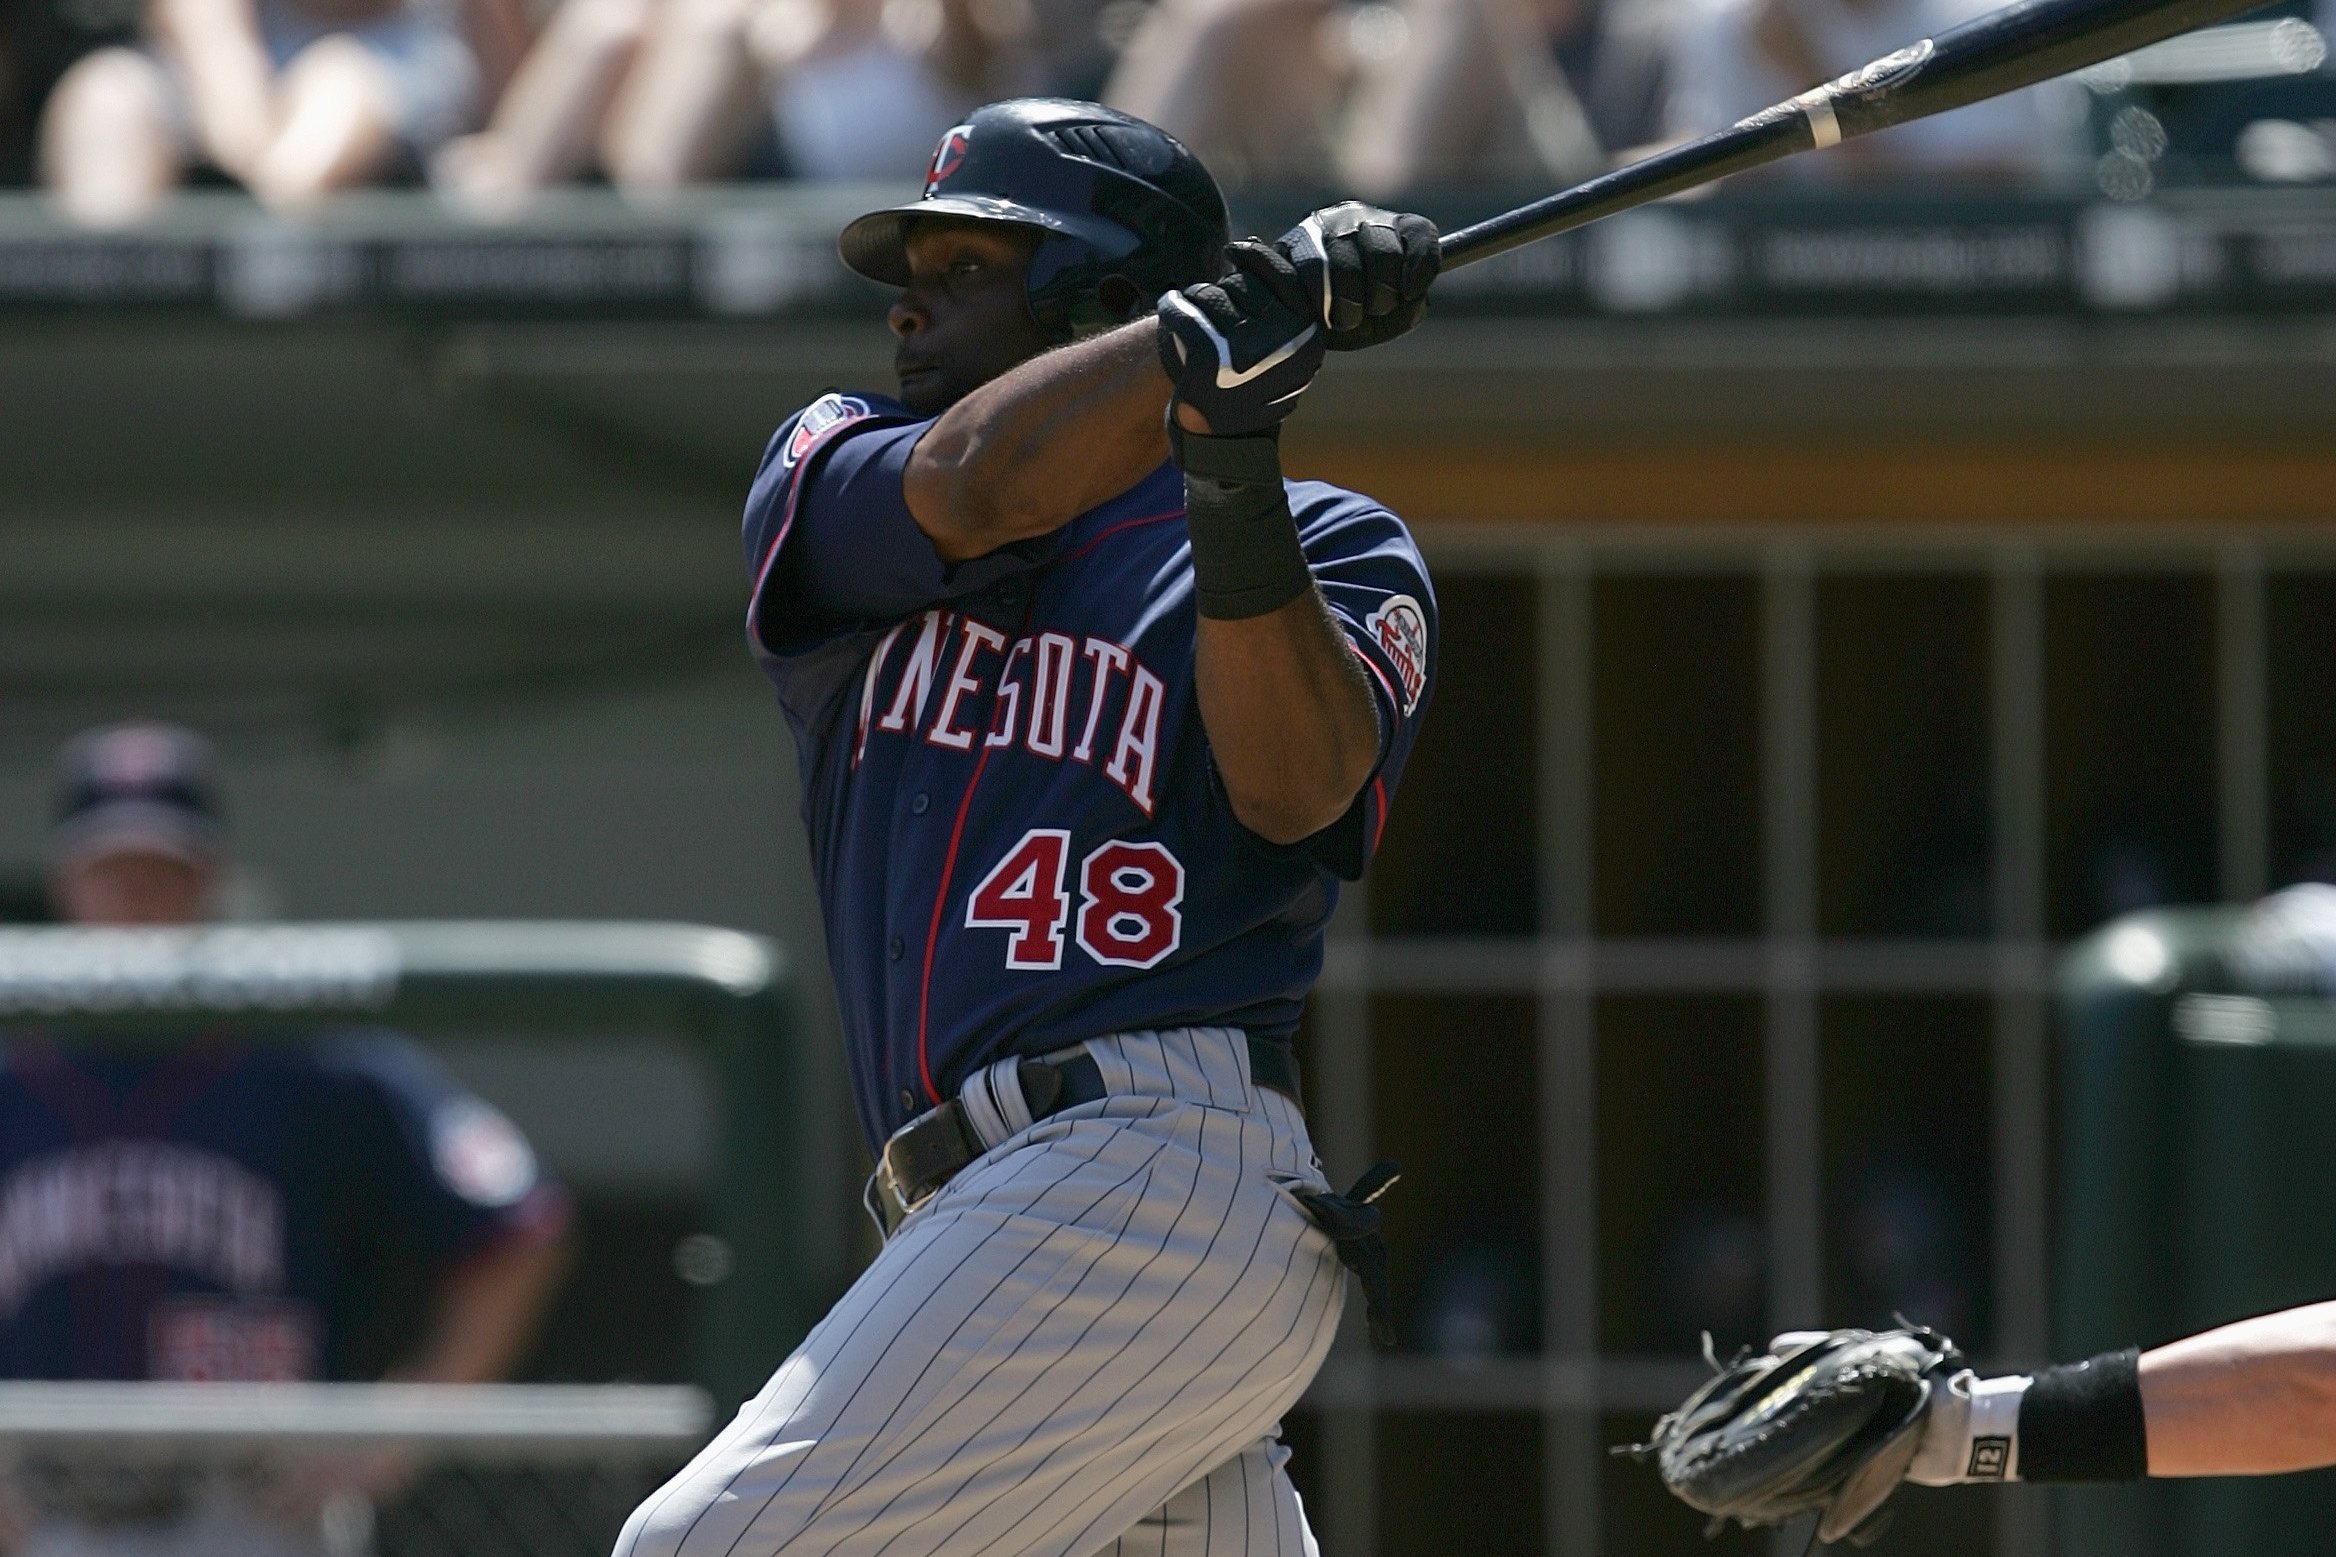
<point>928,391</point>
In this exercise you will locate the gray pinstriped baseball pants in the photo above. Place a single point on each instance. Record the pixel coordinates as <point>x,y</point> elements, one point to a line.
<point>1081,1347</point>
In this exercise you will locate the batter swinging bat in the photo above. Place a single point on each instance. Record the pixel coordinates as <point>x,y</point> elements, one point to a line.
<point>2002,51</point>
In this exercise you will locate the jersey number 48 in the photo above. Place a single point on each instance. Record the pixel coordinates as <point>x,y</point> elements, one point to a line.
<point>1127,910</point>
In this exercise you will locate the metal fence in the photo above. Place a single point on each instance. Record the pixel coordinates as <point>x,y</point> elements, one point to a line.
<point>2084,675</point>
<point>501,1470</point>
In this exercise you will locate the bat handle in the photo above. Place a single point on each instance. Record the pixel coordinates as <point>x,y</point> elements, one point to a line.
<point>1763,138</point>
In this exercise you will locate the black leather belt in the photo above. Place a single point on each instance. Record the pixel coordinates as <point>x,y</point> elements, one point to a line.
<point>928,1151</point>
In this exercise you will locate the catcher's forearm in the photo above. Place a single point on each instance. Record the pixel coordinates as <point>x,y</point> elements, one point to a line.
<point>1829,1422</point>
<point>2254,1398</point>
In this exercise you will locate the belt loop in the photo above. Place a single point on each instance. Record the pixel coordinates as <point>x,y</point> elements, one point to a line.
<point>994,1102</point>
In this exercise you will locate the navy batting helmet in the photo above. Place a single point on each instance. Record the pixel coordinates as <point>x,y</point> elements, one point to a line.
<point>1123,211</point>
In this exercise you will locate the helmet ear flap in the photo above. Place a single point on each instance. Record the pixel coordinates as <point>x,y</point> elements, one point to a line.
<point>1067,298</point>
<point>1110,303</point>
<point>1120,297</point>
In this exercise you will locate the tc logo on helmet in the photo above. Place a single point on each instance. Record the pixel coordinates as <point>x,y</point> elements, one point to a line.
<point>948,156</point>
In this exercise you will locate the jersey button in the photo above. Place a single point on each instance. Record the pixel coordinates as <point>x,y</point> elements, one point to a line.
<point>920,803</point>
<point>899,948</point>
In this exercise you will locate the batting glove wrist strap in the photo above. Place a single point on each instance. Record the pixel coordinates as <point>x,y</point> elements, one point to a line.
<point>1972,1431</point>
<point>1242,349</point>
<point>1246,559</point>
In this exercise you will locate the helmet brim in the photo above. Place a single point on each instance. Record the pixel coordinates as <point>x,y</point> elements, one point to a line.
<point>876,245</point>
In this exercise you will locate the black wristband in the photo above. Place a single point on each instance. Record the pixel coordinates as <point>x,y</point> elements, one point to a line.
<point>1246,559</point>
<point>2083,1422</point>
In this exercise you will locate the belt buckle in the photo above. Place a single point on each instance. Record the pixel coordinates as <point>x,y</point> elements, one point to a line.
<point>887,1203</point>
<point>919,1158</point>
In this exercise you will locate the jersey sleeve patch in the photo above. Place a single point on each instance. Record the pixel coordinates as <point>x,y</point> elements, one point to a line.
<point>821,417</point>
<point>479,1154</point>
<point>1400,629</point>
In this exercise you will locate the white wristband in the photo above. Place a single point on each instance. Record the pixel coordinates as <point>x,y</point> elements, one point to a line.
<point>1973,1431</point>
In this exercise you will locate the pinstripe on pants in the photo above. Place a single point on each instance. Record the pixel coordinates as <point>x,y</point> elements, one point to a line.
<point>1083,1345</point>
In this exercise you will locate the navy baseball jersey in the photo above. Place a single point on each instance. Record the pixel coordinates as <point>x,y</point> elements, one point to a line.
<point>1020,839</point>
<point>216,1212</point>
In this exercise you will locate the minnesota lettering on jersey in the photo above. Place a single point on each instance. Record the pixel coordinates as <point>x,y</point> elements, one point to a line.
<point>139,1203</point>
<point>1019,838</point>
<point>1062,697</point>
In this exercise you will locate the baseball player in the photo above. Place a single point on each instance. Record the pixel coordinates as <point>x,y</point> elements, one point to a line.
<point>1094,709</point>
<point>212,1211</point>
<point>1832,1421</point>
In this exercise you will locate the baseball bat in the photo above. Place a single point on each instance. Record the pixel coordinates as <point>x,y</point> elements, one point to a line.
<point>2020,45</point>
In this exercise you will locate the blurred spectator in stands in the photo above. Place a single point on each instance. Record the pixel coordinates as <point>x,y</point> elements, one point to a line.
<point>657,93</point>
<point>205,1210</point>
<point>929,62</point>
<point>1458,91</point>
<point>39,41</point>
<point>1252,86</point>
<point>1735,57</point>
<point>665,93</point>
<point>295,99</point>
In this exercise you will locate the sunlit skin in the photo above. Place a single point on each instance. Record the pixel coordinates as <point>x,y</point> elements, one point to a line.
<point>2249,1399</point>
<point>1031,436</point>
<point>133,886</point>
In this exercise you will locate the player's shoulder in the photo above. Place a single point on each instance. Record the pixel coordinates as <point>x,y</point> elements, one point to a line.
<point>1319,502</point>
<point>1352,523</point>
<point>373,1059</point>
<point>472,1146</point>
<point>833,415</point>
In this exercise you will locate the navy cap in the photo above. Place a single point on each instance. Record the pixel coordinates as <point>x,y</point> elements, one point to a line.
<point>145,788</point>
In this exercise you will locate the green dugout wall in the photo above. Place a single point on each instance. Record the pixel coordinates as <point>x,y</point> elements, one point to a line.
<point>2196,1183</point>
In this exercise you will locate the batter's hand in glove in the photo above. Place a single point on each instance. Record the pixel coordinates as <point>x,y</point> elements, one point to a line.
<point>1825,1422</point>
<point>1367,270</point>
<point>1242,348</point>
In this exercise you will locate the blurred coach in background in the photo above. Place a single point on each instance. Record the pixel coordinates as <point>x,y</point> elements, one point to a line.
<point>209,1210</point>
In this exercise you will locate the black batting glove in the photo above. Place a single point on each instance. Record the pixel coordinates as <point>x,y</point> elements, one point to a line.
<point>1242,348</point>
<point>1367,271</point>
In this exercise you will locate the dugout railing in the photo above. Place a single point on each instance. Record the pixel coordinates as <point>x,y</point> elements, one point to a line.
<point>487,1470</point>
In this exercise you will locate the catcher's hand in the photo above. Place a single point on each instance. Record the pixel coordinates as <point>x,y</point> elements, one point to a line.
<point>1822,1422</point>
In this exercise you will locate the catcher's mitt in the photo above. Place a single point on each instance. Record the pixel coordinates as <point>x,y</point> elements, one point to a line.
<point>1823,1423</point>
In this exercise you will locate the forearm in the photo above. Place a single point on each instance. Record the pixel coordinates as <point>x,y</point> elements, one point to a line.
<point>230,84</point>
<point>2256,1398</point>
<point>486,1313</point>
<point>1041,444</point>
<point>498,32</point>
<point>1289,714</point>
<point>2253,1398</point>
<point>545,120</point>
<point>687,103</point>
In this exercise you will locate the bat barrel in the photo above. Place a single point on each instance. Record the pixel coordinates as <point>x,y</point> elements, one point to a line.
<point>2003,51</point>
<point>2018,46</point>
